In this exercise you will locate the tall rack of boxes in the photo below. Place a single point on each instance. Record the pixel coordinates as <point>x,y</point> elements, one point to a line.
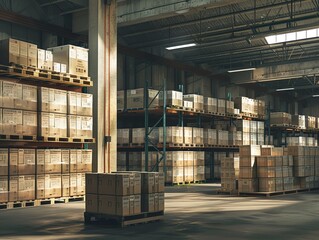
<point>45,123</point>
<point>200,132</point>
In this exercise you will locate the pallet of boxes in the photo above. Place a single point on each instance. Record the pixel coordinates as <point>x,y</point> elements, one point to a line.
<point>124,198</point>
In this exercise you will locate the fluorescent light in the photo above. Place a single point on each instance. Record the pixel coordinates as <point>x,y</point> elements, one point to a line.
<point>284,89</point>
<point>241,70</point>
<point>292,36</point>
<point>181,46</point>
<point>315,95</point>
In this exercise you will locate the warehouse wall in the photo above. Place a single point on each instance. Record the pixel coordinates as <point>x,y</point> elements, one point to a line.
<point>309,107</point>
<point>136,72</point>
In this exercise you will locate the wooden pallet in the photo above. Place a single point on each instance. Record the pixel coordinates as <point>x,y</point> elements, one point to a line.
<point>276,193</point>
<point>66,139</point>
<point>55,200</point>
<point>30,73</point>
<point>172,107</point>
<point>18,204</point>
<point>123,221</point>
<point>18,137</point>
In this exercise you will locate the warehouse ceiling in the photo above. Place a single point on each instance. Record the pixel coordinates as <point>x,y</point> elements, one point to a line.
<point>228,34</point>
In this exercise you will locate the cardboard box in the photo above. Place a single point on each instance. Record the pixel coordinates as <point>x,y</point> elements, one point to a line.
<point>161,182</point>
<point>161,201</point>
<point>173,98</point>
<point>247,172</point>
<point>249,150</point>
<point>29,97</point>
<point>45,60</point>
<point>210,105</point>
<point>32,55</point>
<point>197,100</point>
<point>53,124</point>
<point>91,203</point>
<point>26,187</point>
<point>247,185</point>
<point>10,51</point>
<point>65,160</point>
<point>148,182</point>
<point>91,183</point>
<point>120,100</point>
<point>53,163</point>
<point>266,172</point>
<point>107,184</point>
<point>135,98</point>
<point>56,67</point>
<point>53,185</point>
<point>80,184</point>
<point>30,123</point>
<point>53,100</point>
<point>25,159</point>
<point>4,161</point>
<point>65,185</point>
<point>148,202</point>
<point>13,188</point>
<point>13,161</point>
<point>73,184</point>
<point>23,53</point>
<point>4,188</point>
<point>80,104</point>
<point>123,206</point>
<point>86,160</point>
<point>73,160</point>
<point>80,126</point>
<point>137,204</point>
<point>267,184</point>
<point>12,95</point>
<point>108,205</point>
<point>221,106</point>
<point>75,58</point>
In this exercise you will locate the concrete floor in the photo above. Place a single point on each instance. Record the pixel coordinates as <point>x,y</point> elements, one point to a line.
<point>192,212</point>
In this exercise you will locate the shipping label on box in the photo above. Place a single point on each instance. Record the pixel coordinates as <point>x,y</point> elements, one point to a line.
<point>12,122</point>
<point>56,67</point>
<point>11,94</point>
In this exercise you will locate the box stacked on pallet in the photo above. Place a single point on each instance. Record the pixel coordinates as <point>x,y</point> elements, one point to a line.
<point>197,100</point>
<point>221,106</point>
<point>174,135</point>
<point>310,122</point>
<point>173,99</point>
<point>229,107</point>
<point>136,99</point>
<point>120,100</point>
<point>174,167</point>
<point>222,137</point>
<point>80,110</point>
<point>250,106</point>
<point>188,166</point>
<point>299,121</point>
<point>210,105</point>
<point>199,166</point>
<point>248,181</point>
<point>138,136</point>
<point>198,136</point>
<point>210,137</point>
<point>270,170</point>
<point>124,193</point>
<point>123,136</point>
<point>229,173</point>
<point>280,119</point>
<point>18,115</point>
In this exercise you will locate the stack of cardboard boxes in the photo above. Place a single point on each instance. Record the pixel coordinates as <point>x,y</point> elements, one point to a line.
<point>229,173</point>
<point>124,193</point>
<point>248,181</point>
<point>28,174</point>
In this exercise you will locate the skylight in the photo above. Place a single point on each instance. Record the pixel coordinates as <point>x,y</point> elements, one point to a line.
<point>292,36</point>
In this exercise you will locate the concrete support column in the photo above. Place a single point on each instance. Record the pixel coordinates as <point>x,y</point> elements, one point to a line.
<point>103,70</point>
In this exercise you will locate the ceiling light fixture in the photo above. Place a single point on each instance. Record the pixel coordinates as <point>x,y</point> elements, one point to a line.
<point>292,36</point>
<point>316,95</point>
<point>181,46</point>
<point>241,70</point>
<point>284,89</point>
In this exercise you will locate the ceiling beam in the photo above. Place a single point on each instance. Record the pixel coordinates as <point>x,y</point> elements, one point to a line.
<point>51,3</point>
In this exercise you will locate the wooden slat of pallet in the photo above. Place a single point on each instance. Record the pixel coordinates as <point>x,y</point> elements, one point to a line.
<point>123,220</point>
